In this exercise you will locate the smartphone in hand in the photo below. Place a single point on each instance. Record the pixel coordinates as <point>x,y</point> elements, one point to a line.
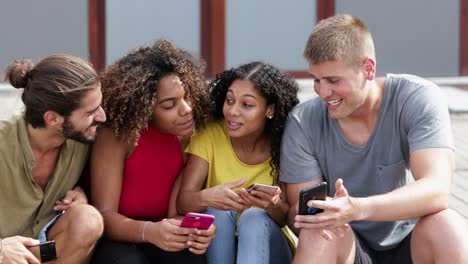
<point>45,251</point>
<point>316,192</point>
<point>197,220</point>
<point>263,187</point>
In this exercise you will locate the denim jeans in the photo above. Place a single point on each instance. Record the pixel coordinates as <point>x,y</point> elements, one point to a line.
<point>42,237</point>
<point>259,238</point>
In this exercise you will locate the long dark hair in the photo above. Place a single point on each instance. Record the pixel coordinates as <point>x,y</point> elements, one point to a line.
<point>276,87</point>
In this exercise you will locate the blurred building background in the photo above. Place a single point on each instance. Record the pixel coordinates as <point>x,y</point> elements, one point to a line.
<point>422,37</point>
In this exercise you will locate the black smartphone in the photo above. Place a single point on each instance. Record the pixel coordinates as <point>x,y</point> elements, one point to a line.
<point>316,192</point>
<point>45,251</point>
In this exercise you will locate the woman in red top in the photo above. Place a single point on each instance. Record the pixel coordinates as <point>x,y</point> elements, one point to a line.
<point>155,97</point>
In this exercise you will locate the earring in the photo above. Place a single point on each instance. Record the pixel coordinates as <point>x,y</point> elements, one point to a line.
<point>270,116</point>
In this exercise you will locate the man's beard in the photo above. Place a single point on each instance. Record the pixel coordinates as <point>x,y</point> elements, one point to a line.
<point>69,132</point>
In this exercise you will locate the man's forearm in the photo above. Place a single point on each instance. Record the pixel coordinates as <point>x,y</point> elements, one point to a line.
<point>418,199</point>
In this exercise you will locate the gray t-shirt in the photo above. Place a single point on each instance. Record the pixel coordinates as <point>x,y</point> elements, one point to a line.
<point>413,115</point>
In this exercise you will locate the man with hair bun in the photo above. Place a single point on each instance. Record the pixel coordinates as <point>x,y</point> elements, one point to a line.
<point>43,151</point>
<point>385,147</point>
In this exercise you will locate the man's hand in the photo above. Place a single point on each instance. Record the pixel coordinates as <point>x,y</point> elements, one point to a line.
<point>338,212</point>
<point>14,250</point>
<point>72,198</point>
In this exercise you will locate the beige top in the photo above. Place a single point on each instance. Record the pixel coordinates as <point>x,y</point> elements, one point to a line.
<point>24,207</point>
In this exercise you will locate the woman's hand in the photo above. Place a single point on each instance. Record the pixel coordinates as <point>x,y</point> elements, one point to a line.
<point>168,235</point>
<point>259,198</point>
<point>223,197</point>
<point>202,240</point>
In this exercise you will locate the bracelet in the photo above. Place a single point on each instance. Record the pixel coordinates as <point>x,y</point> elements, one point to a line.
<point>143,231</point>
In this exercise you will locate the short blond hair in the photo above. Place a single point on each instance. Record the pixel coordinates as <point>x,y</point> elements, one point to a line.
<point>340,37</point>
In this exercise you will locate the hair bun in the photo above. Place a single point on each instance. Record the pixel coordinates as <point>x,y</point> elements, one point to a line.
<point>17,73</point>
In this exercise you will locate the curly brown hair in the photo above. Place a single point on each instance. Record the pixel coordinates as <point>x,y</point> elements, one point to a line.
<point>130,87</point>
<point>278,88</point>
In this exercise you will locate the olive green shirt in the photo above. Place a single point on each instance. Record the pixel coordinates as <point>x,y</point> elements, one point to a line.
<point>24,207</point>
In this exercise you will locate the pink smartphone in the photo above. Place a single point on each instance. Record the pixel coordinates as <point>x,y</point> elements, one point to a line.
<point>197,220</point>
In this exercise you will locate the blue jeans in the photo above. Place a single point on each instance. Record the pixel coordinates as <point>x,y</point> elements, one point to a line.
<point>259,238</point>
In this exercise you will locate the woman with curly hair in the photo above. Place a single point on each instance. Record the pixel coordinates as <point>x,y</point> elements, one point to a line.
<point>241,147</point>
<point>155,97</point>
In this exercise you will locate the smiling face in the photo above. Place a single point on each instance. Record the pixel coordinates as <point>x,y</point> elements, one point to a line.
<point>172,112</point>
<point>342,87</point>
<point>82,123</point>
<point>245,110</point>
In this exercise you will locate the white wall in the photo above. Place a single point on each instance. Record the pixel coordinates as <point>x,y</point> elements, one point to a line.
<point>418,36</point>
<point>273,31</point>
<point>136,23</point>
<point>34,29</point>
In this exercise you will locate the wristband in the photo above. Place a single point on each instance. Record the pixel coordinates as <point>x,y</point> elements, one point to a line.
<point>143,231</point>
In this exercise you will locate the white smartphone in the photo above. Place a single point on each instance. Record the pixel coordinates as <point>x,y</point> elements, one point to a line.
<point>263,187</point>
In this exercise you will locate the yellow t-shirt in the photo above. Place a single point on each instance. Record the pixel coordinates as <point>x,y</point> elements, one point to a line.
<point>214,145</point>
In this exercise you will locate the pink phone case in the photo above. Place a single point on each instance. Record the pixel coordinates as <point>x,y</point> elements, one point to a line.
<point>197,220</point>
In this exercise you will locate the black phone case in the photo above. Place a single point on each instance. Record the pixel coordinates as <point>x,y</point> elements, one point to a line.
<point>316,192</point>
<point>47,251</point>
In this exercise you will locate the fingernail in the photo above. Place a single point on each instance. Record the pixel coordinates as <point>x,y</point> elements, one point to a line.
<point>189,243</point>
<point>198,232</point>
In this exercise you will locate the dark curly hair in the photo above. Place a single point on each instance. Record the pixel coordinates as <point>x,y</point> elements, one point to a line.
<point>130,87</point>
<point>277,88</point>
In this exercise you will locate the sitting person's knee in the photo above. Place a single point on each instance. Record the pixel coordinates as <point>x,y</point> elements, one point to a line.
<point>253,214</point>
<point>436,225</point>
<point>86,221</point>
<point>308,235</point>
<point>439,219</point>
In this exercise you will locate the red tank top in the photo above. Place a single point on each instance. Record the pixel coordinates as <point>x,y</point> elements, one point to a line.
<point>149,174</point>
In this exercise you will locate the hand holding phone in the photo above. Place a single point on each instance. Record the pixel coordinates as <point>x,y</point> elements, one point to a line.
<point>316,192</point>
<point>264,188</point>
<point>45,251</point>
<point>197,220</point>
